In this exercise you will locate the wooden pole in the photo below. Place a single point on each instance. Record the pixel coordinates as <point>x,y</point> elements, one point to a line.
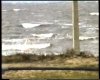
<point>76,43</point>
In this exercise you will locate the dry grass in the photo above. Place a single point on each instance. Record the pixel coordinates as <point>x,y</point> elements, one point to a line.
<point>62,60</point>
<point>72,62</point>
<point>67,62</point>
<point>16,58</point>
<point>50,74</point>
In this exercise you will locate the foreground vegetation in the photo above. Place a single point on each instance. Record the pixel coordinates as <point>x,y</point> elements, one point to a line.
<point>50,74</point>
<point>68,59</point>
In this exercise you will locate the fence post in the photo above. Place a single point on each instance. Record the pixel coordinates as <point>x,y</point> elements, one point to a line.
<point>75,21</point>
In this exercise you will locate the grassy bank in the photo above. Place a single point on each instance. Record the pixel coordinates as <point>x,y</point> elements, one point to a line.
<point>68,59</point>
<point>19,57</point>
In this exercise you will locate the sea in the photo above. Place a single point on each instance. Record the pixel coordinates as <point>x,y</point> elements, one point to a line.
<point>45,27</point>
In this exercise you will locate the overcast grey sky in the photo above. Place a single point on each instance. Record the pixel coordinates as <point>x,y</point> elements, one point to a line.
<point>14,2</point>
<point>29,1</point>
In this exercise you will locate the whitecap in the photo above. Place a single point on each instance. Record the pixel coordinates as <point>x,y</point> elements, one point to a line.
<point>86,25</point>
<point>95,41</point>
<point>82,37</point>
<point>64,26</point>
<point>43,36</point>
<point>29,25</point>
<point>59,38</point>
<point>94,13</point>
<point>96,1</point>
<point>86,38</point>
<point>56,20</point>
<point>12,40</point>
<point>68,24</point>
<point>25,46</point>
<point>68,36</point>
<point>45,23</point>
<point>16,9</point>
<point>93,28</point>
<point>4,10</point>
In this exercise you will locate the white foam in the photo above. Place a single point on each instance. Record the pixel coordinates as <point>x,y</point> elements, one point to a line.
<point>82,37</point>
<point>94,13</point>
<point>96,1</point>
<point>45,22</point>
<point>25,46</point>
<point>68,36</point>
<point>95,41</point>
<point>93,28</point>
<point>86,26</point>
<point>43,36</point>
<point>64,26</point>
<point>70,24</point>
<point>12,40</point>
<point>16,9</point>
<point>89,1</point>
<point>4,10</point>
<point>86,38</point>
<point>59,38</point>
<point>56,21</point>
<point>29,25</point>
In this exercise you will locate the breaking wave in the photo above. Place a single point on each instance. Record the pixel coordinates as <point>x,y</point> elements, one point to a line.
<point>16,10</point>
<point>29,25</point>
<point>43,36</point>
<point>83,37</point>
<point>87,38</point>
<point>12,40</point>
<point>25,46</point>
<point>4,10</point>
<point>94,13</point>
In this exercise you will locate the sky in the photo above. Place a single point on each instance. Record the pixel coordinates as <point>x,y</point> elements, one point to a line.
<point>29,1</point>
<point>14,2</point>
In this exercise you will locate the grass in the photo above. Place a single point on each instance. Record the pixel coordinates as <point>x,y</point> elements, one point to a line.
<point>50,74</point>
<point>16,58</point>
<point>68,59</point>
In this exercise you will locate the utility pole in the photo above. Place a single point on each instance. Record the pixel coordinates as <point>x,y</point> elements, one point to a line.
<point>75,21</point>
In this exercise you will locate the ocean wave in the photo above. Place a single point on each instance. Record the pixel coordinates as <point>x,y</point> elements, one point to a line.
<point>94,13</point>
<point>82,37</point>
<point>17,41</point>
<point>59,38</point>
<point>64,27</point>
<point>68,24</point>
<point>43,36</point>
<point>4,10</point>
<point>87,38</point>
<point>45,23</point>
<point>12,40</point>
<point>93,28</point>
<point>16,10</point>
<point>29,25</point>
<point>84,25</point>
<point>25,46</point>
<point>95,41</point>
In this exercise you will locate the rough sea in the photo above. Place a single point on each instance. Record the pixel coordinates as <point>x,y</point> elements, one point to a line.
<point>46,27</point>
